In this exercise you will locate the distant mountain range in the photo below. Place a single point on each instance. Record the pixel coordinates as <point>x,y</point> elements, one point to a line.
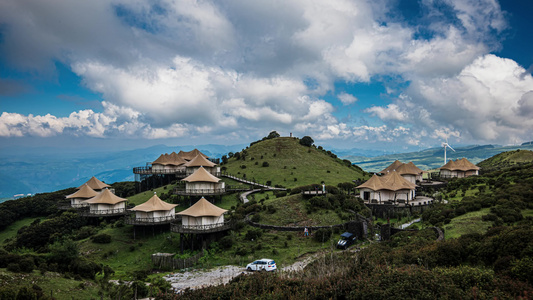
<point>39,170</point>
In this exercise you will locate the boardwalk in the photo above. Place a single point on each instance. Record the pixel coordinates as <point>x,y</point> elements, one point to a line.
<point>244,196</point>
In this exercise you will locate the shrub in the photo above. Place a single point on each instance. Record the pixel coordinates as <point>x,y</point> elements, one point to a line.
<point>322,235</point>
<point>101,238</point>
<point>13,267</point>
<point>226,242</point>
<point>256,218</point>
<point>265,164</point>
<point>253,234</point>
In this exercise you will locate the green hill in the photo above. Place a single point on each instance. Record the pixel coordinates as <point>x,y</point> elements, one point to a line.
<point>506,160</point>
<point>283,161</point>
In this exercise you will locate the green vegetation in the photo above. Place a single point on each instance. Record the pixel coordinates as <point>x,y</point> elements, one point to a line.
<point>410,266</point>
<point>506,160</point>
<point>290,164</point>
<point>469,223</point>
<point>488,225</point>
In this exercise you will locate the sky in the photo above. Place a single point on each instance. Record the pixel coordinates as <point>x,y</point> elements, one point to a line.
<point>397,75</point>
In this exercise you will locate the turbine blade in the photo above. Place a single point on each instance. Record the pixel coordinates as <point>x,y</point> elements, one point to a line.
<point>450,147</point>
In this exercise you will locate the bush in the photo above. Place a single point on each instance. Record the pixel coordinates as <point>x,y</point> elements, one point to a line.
<point>322,235</point>
<point>256,218</point>
<point>101,238</point>
<point>226,242</point>
<point>253,234</point>
<point>13,267</point>
<point>265,164</point>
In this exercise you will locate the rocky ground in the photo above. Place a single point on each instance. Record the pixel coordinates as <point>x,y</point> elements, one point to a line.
<point>195,279</point>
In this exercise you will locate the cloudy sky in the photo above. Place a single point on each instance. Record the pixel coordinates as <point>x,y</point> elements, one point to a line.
<point>351,74</point>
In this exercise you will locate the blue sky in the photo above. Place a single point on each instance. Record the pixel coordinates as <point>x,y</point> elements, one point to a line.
<point>386,74</point>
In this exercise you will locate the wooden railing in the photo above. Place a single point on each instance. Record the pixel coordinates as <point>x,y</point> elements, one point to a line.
<point>150,170</point>
<point>102,213</point>
<point>179,228</point>
<point>198,192</point>
<point>68,205</point>
<point>133,220</point>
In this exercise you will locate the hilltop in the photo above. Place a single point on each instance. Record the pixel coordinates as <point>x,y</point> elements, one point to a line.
<point>283,161</point>
<point>506,160</point>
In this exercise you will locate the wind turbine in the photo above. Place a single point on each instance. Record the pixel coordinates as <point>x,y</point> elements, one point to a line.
<point>446,145</point>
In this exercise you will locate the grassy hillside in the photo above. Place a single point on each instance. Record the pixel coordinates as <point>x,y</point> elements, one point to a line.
<point>284,162</point>
<point>506,159</point>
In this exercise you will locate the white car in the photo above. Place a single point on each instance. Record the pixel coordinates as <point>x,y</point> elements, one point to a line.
<point>264,264</point>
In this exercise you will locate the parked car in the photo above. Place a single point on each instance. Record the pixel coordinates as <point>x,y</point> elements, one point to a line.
<point>347,239</point>
<point>264,264</point>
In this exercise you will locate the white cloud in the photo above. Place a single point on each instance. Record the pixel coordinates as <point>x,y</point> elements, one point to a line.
<point>390,113</point>
<point>178,68</point>
<point>347,99</point>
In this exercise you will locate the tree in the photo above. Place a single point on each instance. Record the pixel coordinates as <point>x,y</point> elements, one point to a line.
<point>307,141</point>
<point>273,134</point>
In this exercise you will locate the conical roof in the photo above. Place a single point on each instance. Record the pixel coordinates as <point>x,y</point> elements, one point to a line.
<point>94,184</point>
<point>161,160</point>
<point>191,154</point>
<point>201,175</point>
<point>409,169</point>
<point>391,181</point>
<point>462,164</point>
<point>394,181</point>
<point>203,208</point>
<point>200,161</point>
<point>374,183</point>
<point>392,167</point>
<point>154,204</point>
<point>84,192</point>
<point>105,197</point>
<point>169,159</point>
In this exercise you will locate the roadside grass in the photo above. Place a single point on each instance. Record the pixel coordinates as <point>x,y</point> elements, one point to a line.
<point>468,223</point>
<point>284,247</point>
<point>52,284</point>
<point>11,230</point>
<point>290,165</point>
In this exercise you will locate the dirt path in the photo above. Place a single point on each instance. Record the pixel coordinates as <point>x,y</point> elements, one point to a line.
<point>199,278</point>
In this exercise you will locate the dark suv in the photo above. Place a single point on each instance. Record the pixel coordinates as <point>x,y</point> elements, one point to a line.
<point>347,239</point>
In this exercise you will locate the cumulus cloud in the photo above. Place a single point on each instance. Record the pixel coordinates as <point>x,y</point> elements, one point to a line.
<point>347,99</point>
<point>177,68</point>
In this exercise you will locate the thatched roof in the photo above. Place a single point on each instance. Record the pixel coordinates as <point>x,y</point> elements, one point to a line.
<point>402,168</point>
<point>154,204</point>
<point>191,154</point>
<point>392,181</point>
<point>409,169</point>
<point>200,161</point>
<point>105,197</point>
<point>392,167</point>
<point>84,192</point>
<point>169,159</point>
<point>201,175</point>
<point>94,184</point>
<point>459,165</point>
<point>203,208</point>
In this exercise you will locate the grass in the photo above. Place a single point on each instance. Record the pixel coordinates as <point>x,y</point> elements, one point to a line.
<point>146,195</point>
<point>284,247</point>
<point>291,164</point>
<point>126,255</point>
<point>11,230</point>
<point>291,210</point>
<point>468,223</point>
<point>54,284</point>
